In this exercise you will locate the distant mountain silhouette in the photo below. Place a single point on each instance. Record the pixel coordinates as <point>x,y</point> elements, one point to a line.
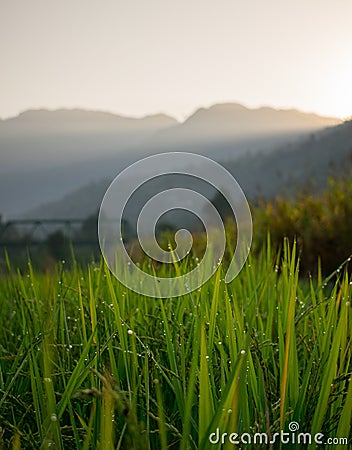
<point>41,138</point>
<point>80,120</point>
<point>228,121</point>
<point>47,154</point>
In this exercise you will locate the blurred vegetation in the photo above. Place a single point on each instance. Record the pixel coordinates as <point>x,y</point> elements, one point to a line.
<point>320,224</point>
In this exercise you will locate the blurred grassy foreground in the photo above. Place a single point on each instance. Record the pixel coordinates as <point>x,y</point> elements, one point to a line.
<point>87,364</point>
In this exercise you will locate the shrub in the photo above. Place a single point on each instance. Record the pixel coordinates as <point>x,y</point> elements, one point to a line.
<point>320,224</point>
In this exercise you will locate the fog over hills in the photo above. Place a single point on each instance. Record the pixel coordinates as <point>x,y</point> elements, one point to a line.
<point>306,163</point>
<point>40,138</point>
<point>45,155</point>
<point>303,166</point>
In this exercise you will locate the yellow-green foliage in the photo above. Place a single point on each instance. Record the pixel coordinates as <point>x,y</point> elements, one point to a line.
<point>322,224</point>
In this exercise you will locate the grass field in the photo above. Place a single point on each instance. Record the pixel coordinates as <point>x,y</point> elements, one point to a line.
<point>87,364</point>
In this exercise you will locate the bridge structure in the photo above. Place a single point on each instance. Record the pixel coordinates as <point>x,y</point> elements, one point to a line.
<point>33,232</point>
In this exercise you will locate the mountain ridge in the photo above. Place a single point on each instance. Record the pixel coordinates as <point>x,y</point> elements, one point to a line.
<point>35,112</point>
<point>46,154</point>
<point>226,106</point>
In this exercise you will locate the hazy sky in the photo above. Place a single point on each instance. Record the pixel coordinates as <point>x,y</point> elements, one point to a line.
<point>138,57</point>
